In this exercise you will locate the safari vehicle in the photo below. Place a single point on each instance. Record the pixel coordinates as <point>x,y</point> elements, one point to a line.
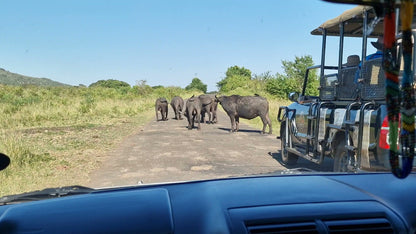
<point>348,120</point>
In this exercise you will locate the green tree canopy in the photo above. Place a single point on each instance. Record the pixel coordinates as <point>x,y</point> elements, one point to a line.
<point>292,80</point>
<point>238,71</point>
<point>235,77</point>
<point>110,84</point>
<point>197,84</point>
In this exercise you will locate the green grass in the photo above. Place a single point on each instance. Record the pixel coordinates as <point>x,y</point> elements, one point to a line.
<point>56,136</point>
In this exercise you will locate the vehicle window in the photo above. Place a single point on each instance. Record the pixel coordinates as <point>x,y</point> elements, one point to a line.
<point>115,93</point>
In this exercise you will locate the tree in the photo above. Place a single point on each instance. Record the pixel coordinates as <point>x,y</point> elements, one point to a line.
<point>235,77</point>
<point>292,80</point>
<point>197,84</point>
<point>238,71</point>
<point>142,87</point>
<point>110,84</point>
<point>259,82</point>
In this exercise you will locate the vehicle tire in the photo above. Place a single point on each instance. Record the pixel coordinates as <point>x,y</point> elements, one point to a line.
<point>340,158</point>
<point>287,157</point>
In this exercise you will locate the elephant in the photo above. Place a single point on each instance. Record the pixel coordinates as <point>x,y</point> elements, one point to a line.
<point>162,106</point>
<point>247,107</point>
<point>177,104</point>
<point>209,106</point>
<point>213,110</point>
<point>192,111</point>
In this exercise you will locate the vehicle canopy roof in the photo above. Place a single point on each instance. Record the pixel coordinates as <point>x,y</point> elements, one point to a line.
<point>353,23</point>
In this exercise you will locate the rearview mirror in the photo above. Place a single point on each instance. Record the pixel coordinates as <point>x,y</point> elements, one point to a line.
<point>293,96</point>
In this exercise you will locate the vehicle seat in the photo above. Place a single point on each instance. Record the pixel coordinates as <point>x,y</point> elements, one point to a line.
<point>373,82</point>
<point>327,87</point>
<point>347,89</point>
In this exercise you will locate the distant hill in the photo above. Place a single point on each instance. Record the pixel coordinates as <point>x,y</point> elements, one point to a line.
<point>9,78</point>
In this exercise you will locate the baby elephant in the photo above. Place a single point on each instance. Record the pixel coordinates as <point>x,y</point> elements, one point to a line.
<point>162,106</point>
<point>209,105</point>
<point>192,111</point>
<point>177,106</point>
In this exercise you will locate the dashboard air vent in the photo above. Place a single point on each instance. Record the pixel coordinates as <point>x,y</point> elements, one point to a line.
<point>284,228</point>
<point>375,225</point>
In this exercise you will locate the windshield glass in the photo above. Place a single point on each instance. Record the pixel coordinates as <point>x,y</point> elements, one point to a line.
<point>114,93</point>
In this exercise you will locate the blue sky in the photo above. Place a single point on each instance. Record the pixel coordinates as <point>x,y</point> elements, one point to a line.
<point>165,42</point>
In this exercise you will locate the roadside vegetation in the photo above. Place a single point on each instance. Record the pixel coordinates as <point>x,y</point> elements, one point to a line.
<point>55,136</point>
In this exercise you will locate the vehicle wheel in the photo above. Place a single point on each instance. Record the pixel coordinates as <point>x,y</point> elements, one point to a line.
<point>287,157</point>
<point>340,158</point>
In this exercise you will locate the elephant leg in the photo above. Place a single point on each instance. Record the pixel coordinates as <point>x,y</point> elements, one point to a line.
<point>237,123</point>
<point>202,116</point>
<point>193,120</point>
<point>232,118</point>
<point>214,117</point>
<point>190,124</point>
<point>209,117</point>
<point>188,117</point>
<point>269,122</point>
<point>264,124</point>
<point>157,114</point>
<point>199,121</point>
<point>266,121</point>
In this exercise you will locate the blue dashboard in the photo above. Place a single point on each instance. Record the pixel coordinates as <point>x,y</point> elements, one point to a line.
<point>325,203</point>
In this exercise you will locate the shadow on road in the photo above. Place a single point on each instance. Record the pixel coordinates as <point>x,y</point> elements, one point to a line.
<point>326,165</point>
<point>241,130</point>
<point>278,157</point>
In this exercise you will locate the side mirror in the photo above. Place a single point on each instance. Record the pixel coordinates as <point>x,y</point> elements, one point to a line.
<point>4,161</point>
<point>293,96</point>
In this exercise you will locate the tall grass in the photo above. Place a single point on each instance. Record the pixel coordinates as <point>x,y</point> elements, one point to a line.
<point>56,136</point>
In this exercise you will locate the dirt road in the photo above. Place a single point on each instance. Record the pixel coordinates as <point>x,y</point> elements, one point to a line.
<point>166,151</point>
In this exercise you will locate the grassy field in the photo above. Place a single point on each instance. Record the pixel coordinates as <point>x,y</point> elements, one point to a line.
<point>56,136</point>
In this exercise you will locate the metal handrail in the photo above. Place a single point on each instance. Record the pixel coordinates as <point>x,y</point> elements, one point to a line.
<point>305,81</point>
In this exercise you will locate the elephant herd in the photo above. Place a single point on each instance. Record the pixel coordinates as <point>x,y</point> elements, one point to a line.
<point>194,109</point>
<point>236,106</point>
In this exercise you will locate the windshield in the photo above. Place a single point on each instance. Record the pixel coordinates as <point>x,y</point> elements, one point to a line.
<point>114,93</point>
